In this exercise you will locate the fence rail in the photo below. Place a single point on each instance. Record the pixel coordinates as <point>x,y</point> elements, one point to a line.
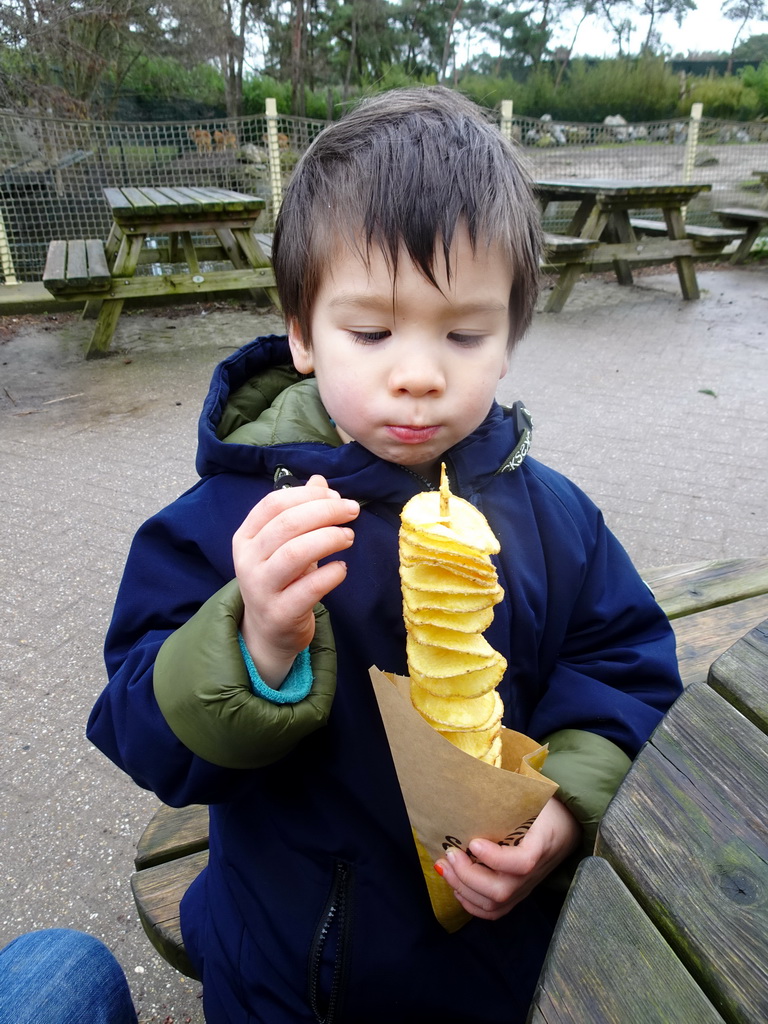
<point>52,172</point>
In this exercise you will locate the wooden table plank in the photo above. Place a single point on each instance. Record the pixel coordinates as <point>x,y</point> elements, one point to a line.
<point>98,268</point>
<point>703,637</point>
<point>55,272</point>
<point>607,964</point>
<point>117,201</point>
<point>247,202</point>
<point>77,262</point>
<point>671,191</point>
<point>741,675</point>
<point>138,199</point>
<point>684,589</point>
<point>207,197</point>
<point>181,203</point>
<point>687,834</point>
<point>162,203</point>
<point>150,285</point>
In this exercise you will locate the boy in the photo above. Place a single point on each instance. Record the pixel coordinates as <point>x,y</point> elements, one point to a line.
<point>407,258</point>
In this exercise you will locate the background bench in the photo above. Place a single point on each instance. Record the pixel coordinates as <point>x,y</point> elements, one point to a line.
<point>752,219</point>
<point>707,240</point>
<point>710,605</point>
<point>77,267</point>
<point>564,255</point>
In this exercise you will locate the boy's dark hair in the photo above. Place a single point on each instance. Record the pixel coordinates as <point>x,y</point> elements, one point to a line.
<point>406,167</point>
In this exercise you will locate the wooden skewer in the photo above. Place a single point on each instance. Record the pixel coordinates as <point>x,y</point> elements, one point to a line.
<point>445,494</point>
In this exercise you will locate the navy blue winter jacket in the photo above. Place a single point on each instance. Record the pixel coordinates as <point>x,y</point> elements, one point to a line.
<point>313,907</point>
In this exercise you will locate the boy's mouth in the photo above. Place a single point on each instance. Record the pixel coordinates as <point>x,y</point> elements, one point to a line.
<point>412,435</point>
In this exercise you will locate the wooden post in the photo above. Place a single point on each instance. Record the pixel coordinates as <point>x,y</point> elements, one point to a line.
<point>506,118</point>
<point>691,145</point>
<point>273,155</point>
<point>6,260</point>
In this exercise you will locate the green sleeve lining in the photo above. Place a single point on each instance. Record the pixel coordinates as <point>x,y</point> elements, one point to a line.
<point>588,769</point>
<point>202,687</point>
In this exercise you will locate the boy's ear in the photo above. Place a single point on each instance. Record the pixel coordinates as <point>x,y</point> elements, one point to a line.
<point>300,351</point>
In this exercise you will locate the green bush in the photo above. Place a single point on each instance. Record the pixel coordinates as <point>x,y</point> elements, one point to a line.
<point>258,89</point>
<point>756,79</point>
<point>728,97</point>
<point>533,97</point>
<point>640,89</point>
<point>488,90</point>
<point>165,78</point>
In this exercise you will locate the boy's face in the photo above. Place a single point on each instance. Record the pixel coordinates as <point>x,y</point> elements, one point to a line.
<point>403,368</point>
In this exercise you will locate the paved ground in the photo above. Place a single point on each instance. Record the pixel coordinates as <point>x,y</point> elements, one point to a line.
<point>657,407</point>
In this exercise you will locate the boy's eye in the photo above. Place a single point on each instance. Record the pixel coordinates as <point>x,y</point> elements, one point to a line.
<point>466,340</point>
<point>369,337</point>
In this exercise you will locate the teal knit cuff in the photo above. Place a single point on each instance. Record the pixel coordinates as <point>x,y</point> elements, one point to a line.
<point>296,685</point>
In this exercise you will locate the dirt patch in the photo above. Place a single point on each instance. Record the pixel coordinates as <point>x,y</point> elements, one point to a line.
<point>11,325</point>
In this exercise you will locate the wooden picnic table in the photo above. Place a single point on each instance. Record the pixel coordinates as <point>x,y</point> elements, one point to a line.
<point>687,827</point>
<point>669,921</point>
<point>603,214</point>
<point>185,228</point>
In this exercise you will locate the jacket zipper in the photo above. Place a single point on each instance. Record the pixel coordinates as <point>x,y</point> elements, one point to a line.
<point>336,911</point>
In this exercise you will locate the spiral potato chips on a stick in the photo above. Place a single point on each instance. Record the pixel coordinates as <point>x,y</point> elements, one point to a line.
<point>449,587</point>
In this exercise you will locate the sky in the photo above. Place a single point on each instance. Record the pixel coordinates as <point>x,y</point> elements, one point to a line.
<point>703,30</point>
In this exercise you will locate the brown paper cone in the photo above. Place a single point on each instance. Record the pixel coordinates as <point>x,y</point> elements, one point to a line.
<point>452,797</point>
<point>446,908</point>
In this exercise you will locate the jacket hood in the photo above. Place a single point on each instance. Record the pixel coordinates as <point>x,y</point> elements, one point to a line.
<point>262,417</point>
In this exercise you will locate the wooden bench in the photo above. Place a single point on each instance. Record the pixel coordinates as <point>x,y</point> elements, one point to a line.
<point>77,267</point>
<point>707,240</point>
<point>564,255</point>
<point>710,605</point>
<point>752,219</point>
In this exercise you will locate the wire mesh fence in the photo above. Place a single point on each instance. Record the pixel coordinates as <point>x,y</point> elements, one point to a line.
<point>728,155</point>
<point>52,172</point>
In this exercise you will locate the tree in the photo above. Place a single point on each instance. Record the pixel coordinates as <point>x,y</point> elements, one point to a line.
<point>754,49</point>
<point>74,52</point>
<point>588,8</point>
<point>470,25</point>
<point>742,11</point>
<point>522,36</point>
<point>419,28</point>
<point>615,13</point>
<point>654,9</point>
<point>362,41</point>
<point>217,31</point>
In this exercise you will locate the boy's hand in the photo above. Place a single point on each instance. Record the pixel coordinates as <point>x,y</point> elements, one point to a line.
<point>508,874</point>
<point>276,551</point>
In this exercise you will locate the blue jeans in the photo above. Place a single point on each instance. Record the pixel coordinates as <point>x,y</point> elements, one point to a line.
<point>60,976</point>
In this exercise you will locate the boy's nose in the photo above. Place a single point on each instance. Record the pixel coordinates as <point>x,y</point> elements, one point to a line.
<point>417,376</point>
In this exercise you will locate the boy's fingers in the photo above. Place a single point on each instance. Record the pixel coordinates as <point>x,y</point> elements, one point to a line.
<point>479,885</point>
<point>512,860</point>
<point>300,555</point>
<point>307,590</point>
<point>286,514</point>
